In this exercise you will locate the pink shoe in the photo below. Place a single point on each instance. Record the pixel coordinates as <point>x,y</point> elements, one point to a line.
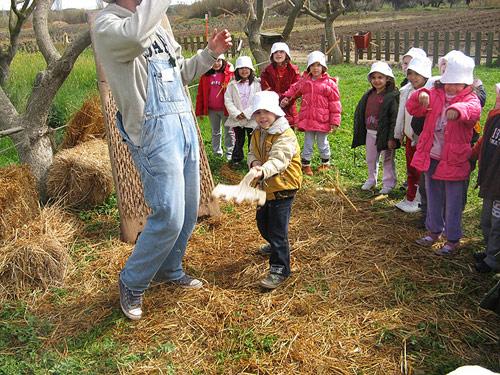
<point>449,249</point>
<point>429,240</point>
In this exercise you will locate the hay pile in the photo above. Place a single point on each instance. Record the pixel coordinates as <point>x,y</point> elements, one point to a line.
<point>81,176</point>
<point>35,257</point>
<point>18,198</point>
<point>86,124</point>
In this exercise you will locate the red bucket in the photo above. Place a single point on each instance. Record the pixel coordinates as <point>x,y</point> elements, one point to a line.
<point>362,40</point>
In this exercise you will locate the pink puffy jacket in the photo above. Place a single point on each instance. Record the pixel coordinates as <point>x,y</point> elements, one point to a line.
<point>454,164</point>
<point>320,108</point>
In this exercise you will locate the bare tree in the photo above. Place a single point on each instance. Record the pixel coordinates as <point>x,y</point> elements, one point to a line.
<point>260,44</point>
<point>33,143</point>
<point>333,9</point>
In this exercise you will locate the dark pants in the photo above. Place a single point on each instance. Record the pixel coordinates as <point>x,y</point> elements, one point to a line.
<point>272,220</point>
<point>423,198</point>
<point>239,132</point>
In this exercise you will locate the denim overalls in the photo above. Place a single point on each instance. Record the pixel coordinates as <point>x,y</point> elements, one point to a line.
<point>168,162</point>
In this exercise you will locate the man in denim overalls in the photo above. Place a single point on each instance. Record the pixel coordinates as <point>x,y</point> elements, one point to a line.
<point>146,74</point>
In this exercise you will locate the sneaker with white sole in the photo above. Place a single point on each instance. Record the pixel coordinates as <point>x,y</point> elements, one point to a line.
<point>407,206</point>
<point>187,282</point>
<point>385,190</point>
<point>130,301</point>
<point>265,250</point>
<point>367,185</point>
<point>272,281</point>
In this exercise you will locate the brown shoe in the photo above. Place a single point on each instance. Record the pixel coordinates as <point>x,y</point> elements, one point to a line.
<point>323,167</point>
<point>307,170</point>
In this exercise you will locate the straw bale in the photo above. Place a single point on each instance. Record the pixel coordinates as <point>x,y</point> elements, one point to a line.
<point>86,124</point>
<point>81,176</point>
<point>36,256</point>
<point>18,198</point>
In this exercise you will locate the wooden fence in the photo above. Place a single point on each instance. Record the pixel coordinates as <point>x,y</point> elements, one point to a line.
<point>192,44</point>
<point>391,46</point>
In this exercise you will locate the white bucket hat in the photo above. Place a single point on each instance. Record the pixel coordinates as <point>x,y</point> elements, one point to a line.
<point>268,100</point>
<point>380,67</point>
<point>447,57</point>
<point>414,52</point>
<point>316,56</point>
<point>459,69</point>
<point>221,57</point>
<point>244,62</point>
<point>471,370</point>
<point>280,46</point>
<point>421,65</point>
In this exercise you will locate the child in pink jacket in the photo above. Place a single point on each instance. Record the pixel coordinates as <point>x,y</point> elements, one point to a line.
<point>443,149</point>
<point>320,109</point>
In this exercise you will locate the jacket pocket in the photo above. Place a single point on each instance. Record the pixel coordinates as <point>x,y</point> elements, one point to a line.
<point>169,89</point>
<point>458,154</point>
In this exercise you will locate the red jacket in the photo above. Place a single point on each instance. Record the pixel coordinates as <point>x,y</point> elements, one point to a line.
<point>268,82</point>
<point>320,108</point>
<point>454,164</point>
<point>204,87</point>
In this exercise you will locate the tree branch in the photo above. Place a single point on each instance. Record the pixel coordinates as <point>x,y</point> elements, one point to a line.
<point>41,26</point>
<point>7,111</point>
<point>287,30</point>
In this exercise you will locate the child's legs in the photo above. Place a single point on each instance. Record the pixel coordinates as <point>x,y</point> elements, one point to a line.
<point>215,118</point>
<point>277,231</point>
<point>453,206</point>
<point>490,224</point>
<point>307,150</point>
<point>435,200</point>
<point>423,197</point>
<point>229,139</point>
<point>238,153</point>
<point>249,137</point>
<point>372,158</point>
<point>262,217</point>
<point>389,178</point>
<point>323,145</point>
<point>413,174</point>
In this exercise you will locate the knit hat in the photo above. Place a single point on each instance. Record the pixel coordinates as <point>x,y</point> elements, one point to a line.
<point>421,65</point>
<point>268,100</point>
<point>316,56</point>
<point>280,46</point>
<point>244,62</point>
<point>380,67</point>
<point>459,69</point>
<point>446,57</point>
<point>414,52</point>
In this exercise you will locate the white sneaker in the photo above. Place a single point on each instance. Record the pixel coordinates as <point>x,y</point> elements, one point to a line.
<point>409,207</point>
<point>385,190</point>
<point>367,186</point>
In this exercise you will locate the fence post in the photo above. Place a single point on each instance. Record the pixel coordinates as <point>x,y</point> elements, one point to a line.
<point>341,45</point>
<point>489,49</point>
<point>468,38</point>
<point>396,46</point>
<point>446,42</point>
<point>407,41</point>
<point>435,55</point>
<point>323,43</point>
<point>387,45</point>
<point>457,41</point>
<point>416,41</point>
<point>426,41</point>
<point>379,46</point>
<point>348,51</point>
<point>477,55</point>
<point>369,51</point>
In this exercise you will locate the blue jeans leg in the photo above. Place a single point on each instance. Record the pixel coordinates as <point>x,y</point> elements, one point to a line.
<point>273,220</point>
<point>169,167</point>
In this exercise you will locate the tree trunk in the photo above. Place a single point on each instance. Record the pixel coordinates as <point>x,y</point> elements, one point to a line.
<point>332,39</point>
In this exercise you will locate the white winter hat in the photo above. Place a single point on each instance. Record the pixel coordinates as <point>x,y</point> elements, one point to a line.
<point>414,52</point>
<point>459,69</point>
<point>316,56</point>
<point>471,370</point>
<point>421,65</point>
<point>447,57</point>
<point>280,46</point>
<point>244,62</point>
<point>221,57</point>
<point>380,67</point>
<point>268,100</point>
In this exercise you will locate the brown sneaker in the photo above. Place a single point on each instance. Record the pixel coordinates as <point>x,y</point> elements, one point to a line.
<point>323,167</point>
<point>307,170</point>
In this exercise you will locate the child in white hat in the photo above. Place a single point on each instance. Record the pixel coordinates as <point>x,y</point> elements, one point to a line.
<point>451,110</point>
<point>279,76</point>
<point>275,155</point>
<point>407,57</point>
<point>374,123</point>
<point>210,102</point>
<point>238,101</point>
<point>418,72</point>
<point>320,110</point>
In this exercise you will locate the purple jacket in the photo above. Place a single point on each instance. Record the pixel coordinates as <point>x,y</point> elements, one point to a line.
<point>320,108</point>
<point>454,164</point>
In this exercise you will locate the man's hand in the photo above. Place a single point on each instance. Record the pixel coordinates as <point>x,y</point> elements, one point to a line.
<point>220,42</point>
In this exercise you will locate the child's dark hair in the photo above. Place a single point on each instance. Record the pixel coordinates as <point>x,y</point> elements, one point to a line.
<point>237,76</point>
<point>212,70</point>
<point>287,60</point>
<point>390,85</point>
<point>440,85</point>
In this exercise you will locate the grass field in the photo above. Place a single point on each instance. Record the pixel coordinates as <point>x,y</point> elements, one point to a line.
<point>420,304</point>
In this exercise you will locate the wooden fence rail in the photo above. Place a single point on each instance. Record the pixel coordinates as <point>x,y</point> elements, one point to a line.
<point>391,46</point>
